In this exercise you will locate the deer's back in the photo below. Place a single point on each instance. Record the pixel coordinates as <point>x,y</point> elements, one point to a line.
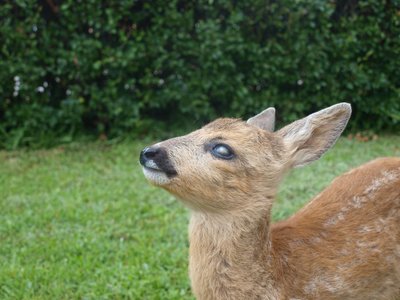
<point>346,242</point>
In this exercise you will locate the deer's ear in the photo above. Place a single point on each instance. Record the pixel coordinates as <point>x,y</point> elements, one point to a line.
<point>307,139</point>
<point>264,120</point>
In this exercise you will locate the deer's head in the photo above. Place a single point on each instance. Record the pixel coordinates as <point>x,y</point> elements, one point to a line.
<point>231,164</point>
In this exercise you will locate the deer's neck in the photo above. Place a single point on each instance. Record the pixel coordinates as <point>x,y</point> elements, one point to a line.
<point>230,257</point>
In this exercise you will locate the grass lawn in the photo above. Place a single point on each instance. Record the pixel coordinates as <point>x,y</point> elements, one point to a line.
<point>81,222</point>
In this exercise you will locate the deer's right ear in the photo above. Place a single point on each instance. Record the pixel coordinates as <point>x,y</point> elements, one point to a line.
<point>307,139</point>
<point>264,120</point>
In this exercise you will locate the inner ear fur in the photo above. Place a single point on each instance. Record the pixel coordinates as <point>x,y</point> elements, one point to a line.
<point>309,138</point>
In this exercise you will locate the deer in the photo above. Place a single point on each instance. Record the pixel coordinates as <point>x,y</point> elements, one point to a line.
<point>343,244</point>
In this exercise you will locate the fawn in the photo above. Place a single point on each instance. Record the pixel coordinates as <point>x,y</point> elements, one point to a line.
<point>344,244</point>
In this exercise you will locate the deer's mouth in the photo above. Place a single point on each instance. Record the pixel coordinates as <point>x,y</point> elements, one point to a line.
<point>151,165</point>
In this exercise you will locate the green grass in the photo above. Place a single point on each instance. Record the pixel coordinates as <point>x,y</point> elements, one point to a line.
<point>80,222</point>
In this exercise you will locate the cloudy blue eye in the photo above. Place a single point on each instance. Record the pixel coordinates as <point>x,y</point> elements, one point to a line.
<point>222,151</point>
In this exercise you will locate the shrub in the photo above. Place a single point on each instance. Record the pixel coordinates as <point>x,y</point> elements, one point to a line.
<point>113,68</point>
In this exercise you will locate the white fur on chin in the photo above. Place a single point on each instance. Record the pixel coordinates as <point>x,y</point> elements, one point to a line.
<point>155,176</point>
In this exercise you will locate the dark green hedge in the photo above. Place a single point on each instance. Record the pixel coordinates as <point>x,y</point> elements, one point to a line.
<point>114,67</point>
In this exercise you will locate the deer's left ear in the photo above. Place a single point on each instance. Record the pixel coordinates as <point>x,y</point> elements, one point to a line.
<point>307,139</point>
<point>264,120</point>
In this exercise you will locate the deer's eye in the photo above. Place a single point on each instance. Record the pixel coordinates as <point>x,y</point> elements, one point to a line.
<point>222,151</point>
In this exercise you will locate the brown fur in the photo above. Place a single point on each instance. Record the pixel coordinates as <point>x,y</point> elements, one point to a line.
<point>345,244</point>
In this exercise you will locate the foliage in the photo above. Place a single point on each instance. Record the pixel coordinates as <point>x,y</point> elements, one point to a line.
<point>110,68</point>
<point>80,222</point>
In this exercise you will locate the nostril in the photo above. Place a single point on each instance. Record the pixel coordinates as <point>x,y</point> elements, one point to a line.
<point>150,153</point>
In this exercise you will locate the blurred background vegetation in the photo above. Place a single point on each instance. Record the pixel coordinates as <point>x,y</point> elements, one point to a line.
<point>133,68</point>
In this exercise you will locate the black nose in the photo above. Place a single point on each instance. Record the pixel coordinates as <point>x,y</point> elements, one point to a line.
<point>148,154</point>
<point>156,158</point>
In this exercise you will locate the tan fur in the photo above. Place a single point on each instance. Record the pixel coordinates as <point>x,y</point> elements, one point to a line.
<point>345,244</point>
